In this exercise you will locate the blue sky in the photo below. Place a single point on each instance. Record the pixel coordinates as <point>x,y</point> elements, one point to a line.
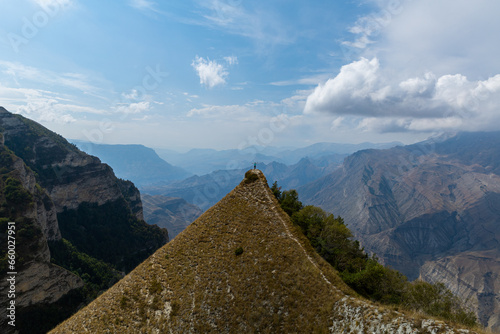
<point>232,73</point>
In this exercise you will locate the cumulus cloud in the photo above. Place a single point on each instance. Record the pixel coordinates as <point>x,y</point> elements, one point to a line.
<point>210,72</point>
<point>424,103</point>
<point>352,91</point>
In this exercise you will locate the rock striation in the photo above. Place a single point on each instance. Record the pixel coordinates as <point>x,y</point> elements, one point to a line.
<point>429,210</point>
<point>241,267</point>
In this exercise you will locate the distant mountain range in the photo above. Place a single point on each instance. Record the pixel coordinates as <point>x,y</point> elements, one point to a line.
<point>205,161</point>
<point>430,210</point>
<point>204,191</point>
<point>137,163</point>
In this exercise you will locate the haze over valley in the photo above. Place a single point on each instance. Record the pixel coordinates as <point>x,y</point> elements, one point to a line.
<point>232,166</point>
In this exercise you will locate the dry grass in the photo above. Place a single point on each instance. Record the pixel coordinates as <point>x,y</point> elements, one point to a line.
<point>197,284</point>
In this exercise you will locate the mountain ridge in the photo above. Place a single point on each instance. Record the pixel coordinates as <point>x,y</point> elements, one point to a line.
<point>420,205</point>
<point>240,267</point>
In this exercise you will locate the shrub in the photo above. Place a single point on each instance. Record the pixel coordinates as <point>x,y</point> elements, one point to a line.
<point>238,251</point>
<point>290,202</point>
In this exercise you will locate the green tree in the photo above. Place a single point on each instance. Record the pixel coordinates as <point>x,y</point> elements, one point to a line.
<point>331,238</point>
<point>290,202</point>
<point>276,190</point>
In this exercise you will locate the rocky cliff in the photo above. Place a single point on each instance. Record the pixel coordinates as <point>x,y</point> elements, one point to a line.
<point>28,205</point>
<point>89,199</point>
<point>241,267</point>
<point>425,208</point>
<point>62,198</point>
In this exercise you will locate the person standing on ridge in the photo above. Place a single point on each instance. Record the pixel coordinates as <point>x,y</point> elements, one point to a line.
<point>254,165</point>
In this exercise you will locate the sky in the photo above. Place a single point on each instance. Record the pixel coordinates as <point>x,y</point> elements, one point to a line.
<point>235,73</point>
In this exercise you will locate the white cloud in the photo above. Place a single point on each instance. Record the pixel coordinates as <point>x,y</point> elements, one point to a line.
<point>21,74</point>
<point>419,86</point>
<point>46,110</point>
<point>425,103</point>
<point>210,72</point>
<point>445,37</point>
<point>133,108</point>
<point>221,112</point>
<point>351,91</point>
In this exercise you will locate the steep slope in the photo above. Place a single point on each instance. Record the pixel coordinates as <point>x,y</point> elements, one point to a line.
<point>429,210</point>
<point>53,193</point>
<point>97,212</point>
<point>241,267</point>
<point>137,163</point>
<point>32,212</point>
<point>172,213</point>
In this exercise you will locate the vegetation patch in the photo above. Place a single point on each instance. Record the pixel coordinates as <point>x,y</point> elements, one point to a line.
<point>238,251</point>
<point>110,233</point>
<point>331,238</point>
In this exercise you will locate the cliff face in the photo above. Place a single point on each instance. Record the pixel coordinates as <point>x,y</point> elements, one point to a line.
<point>420,207</point>
<point>29,206</point>
<point>53,191</point>
<point>70,176</point>
<point>241,267</point>
<point>89,200</point>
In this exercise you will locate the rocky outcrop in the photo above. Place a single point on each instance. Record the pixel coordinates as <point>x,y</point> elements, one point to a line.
<point>91,203</point>
<point>37,280</point>
<point>70,176</point>
<point>417,205</point>
<point>133,197</point>
<point>52,190</point>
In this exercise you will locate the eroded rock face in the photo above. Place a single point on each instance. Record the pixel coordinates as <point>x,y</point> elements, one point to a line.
<point>67,194</point>
<point>473,275</point>
<point>416,206</point>
<point>70,176</point>
<point>37,280</point>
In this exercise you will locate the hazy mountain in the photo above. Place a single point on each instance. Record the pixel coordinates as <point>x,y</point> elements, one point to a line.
<point>136,163</point>
<point>205,161</point>
<point>172,213</point>
<point>429,210</point>
<point>62,198</point>
<point>242,267</point>
<point>206,190</point>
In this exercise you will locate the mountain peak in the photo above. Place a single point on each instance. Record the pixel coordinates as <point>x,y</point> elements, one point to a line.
<point>241,267</point>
